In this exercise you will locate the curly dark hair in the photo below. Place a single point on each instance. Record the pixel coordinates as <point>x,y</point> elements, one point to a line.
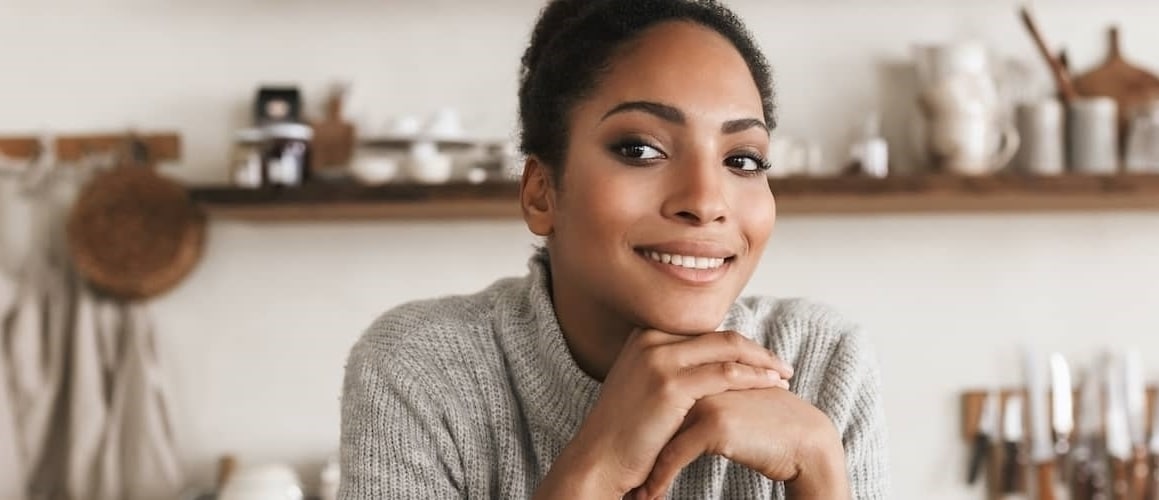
<point>573,43</point>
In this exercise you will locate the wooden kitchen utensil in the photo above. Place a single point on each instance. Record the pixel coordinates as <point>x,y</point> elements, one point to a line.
<point>133,234</point>
<point>333,144</point>
<point>1117,78</point>
<point>1062,79</point>
<point>225,467</point>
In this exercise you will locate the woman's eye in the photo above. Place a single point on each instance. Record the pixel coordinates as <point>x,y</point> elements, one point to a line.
<point>746,163</point>
<point>638,151</point>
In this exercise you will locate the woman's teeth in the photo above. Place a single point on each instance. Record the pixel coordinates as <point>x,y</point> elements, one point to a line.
<point>687,261</point>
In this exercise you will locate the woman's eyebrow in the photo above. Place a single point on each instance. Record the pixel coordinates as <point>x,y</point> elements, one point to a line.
<point>662,111</point>
<point>674,115</point>
<point>737,126</point>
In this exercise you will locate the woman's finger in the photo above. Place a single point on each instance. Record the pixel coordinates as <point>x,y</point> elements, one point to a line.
<point>706,380</point>
<point>720,347</point>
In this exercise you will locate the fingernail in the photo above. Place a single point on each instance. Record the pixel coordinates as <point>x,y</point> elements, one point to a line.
<point>773,375</point>
<point>785,384</point>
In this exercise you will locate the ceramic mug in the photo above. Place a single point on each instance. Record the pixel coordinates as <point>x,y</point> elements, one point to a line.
<point>971,144</point>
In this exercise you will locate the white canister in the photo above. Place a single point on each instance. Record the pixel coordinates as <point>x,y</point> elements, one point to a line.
<point>1043,138</point>
<point>1093,135</point>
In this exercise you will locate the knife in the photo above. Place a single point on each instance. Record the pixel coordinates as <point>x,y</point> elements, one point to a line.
<point>1136,404</point>
<point>1062,409</point>
<point>1041,448</point>
<point>1118,431</point>
<point>985,437</point>
<point>1012,422</point>
<point>1153,446</point>
<point>1090,479</point>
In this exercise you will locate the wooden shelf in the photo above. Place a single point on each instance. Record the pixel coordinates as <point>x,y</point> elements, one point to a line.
<point>402,143</point>
<point>944,193</point>
<point>840,195</point>
<point>345,201</point>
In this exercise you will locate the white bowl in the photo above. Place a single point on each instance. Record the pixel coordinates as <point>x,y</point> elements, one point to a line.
<point>375,170</point>
<point>431,169</point>
<point>263,482</point>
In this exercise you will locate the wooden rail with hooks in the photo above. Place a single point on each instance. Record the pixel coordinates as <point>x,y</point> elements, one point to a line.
<point>165,146</point>
<point>21,148</point>
<point>160,146</point>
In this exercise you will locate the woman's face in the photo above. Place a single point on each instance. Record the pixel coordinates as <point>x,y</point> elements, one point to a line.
<point>663,209</point>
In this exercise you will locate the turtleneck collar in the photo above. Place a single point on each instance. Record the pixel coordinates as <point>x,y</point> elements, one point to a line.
<point>556,394</point>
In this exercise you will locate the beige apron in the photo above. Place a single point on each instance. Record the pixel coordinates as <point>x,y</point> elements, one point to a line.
<point>140,456</point>
<point>34,334</point>
<point>12,475</point>
<point>91,406</point>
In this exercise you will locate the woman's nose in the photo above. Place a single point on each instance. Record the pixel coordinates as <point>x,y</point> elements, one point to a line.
<point>696,193</point>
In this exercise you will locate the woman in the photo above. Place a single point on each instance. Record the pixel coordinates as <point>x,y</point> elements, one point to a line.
<point>624,363</point>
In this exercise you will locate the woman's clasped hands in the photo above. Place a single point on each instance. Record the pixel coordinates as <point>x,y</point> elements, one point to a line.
<point>669,399</point>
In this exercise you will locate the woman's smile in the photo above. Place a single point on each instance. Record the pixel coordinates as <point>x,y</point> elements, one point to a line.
<point>689,262</point>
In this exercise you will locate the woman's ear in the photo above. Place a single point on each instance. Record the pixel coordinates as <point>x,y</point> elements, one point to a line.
<point>537,197</point>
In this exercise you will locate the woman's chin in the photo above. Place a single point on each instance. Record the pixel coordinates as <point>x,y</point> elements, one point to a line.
<point>686,321</point>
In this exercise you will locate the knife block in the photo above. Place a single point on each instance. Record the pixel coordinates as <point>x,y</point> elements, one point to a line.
<point>972,401</point>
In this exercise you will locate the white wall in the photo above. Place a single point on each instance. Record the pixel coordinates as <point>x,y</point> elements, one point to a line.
<point>259,334</point>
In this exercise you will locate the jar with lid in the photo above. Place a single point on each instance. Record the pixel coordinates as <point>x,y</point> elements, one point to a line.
<point>286,153</point>
<point>247,168</point>
<point>1142,148</point>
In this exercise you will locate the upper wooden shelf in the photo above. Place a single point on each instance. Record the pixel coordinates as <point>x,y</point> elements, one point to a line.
<point>837,195</point>
<point>945,193</point>
<point>403,142</point>
<point>329,201</point>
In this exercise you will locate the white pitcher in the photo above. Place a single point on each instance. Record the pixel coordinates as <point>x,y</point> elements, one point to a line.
<point>962,129</point>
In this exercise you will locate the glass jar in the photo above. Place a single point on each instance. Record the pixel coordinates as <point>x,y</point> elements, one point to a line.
<point>1142,155</point>
<point>247,167</point>
<point>286,153</point>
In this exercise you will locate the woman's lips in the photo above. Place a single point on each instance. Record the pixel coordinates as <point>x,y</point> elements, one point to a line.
<point>694,269</point>
<point>690,248</point>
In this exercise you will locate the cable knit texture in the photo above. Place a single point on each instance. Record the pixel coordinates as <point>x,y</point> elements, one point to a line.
<point>474,396</point>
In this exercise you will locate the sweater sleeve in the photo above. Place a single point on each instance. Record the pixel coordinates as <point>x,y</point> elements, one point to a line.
<point>857,412</point>
<point>394,439</point>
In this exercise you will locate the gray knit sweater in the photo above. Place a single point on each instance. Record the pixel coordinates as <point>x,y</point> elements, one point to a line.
<point>474,396</point>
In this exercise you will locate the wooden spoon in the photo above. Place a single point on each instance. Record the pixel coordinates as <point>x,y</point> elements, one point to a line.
<point>1061,76</point>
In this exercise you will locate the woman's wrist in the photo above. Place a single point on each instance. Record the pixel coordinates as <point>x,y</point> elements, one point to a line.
<point>580,473</point>
<point>822,472</point>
